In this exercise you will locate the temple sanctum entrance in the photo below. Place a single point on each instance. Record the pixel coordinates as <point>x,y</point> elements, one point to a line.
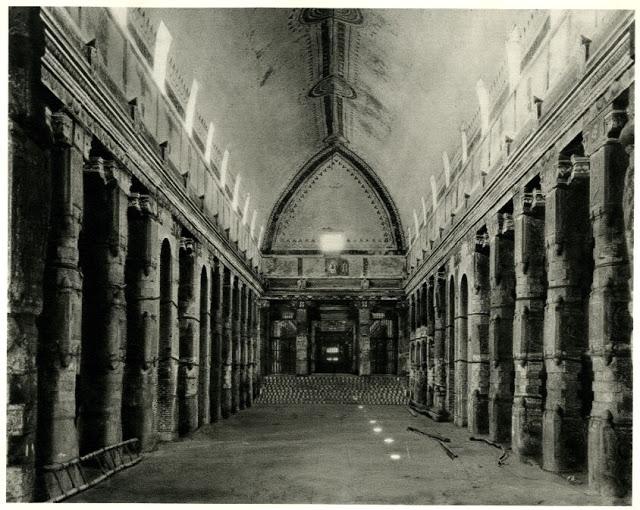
<point>334,352</point>
<point>333,338</point>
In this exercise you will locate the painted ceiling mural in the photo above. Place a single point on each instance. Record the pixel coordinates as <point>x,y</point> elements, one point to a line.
<point>390,86</point>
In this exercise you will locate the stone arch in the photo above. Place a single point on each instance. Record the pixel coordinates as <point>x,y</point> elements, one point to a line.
<point>370,189</point>
<point>451,352</point>
<point>462,341</point>
<point>204,355</point>
<point>165,394</point>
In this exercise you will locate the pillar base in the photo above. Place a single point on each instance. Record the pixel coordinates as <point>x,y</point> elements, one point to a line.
<point>526,439</point>
<point>610,454</point>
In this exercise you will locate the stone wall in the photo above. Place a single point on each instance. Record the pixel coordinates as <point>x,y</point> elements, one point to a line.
<point>134,292</point>
<point>536,301</point>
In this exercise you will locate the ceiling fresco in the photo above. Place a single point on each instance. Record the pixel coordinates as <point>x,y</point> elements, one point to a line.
<point>282,85</point>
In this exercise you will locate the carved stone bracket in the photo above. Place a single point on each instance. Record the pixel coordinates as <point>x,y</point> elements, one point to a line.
<point>506,223</point>
<point>188,245</point>
<point>580,166</point>
<point>69,133</point>
<point>533,200</point>
<point>482,241</point>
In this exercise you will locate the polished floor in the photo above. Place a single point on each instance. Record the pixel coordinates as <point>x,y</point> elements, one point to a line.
<point>333,454</point>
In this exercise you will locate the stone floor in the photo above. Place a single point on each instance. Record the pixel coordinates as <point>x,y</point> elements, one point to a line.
<point>332,454</point>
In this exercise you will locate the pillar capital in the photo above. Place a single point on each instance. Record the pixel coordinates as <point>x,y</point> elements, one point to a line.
<point>143,204</point>
<point>67,132</point>
<point>604,128</point>
<point>62,128</point>
<point>110,172</point>
<point>363,304</point>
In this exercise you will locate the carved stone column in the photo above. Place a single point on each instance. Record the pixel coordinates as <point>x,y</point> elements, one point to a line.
<point>143,308</point>
<point>478,354</point>
<point>218,339</point>
<point>440,374</point>
<point>567,234</point>
<point>502,278</point>
<point>428,359</point>
<point>364,341</point>
<point>610,325</point>
<point>105,340</point>
<point>244,347</point>
<point>227,342</point>
<point>528,324</point>
<point>251,353</point>
<point>189,323</point>
<point>60,331</point>
<point>264,328</point>
<point>236,347</point>
<point>302,338</point>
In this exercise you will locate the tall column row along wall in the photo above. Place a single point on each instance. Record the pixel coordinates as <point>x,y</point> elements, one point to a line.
<point>523,331</point>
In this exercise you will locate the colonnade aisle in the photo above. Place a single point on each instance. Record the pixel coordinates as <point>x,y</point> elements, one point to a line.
<point>333,454</point>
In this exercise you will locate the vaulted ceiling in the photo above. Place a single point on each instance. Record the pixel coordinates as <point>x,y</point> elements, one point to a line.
<point>393,86</point>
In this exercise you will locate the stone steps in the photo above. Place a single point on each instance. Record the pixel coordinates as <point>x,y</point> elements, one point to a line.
<point>333,389</point>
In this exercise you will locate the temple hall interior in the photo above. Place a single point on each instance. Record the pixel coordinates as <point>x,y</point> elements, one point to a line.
<point>305,255</point>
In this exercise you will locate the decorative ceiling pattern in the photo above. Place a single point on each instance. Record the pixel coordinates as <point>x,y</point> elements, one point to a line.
<point>391,86</point>
<point>334,193</point>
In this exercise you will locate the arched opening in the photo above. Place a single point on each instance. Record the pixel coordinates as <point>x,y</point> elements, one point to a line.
<point>451,339</point>
<point>461,388</point>
<point>165,394</point>
<point>203,352</point>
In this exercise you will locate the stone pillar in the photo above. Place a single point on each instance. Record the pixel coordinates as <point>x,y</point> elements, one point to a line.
<point>528,322</point>
<point>449,347</point>
<point>143,308</point>
<point>302,338</point>
<point>502,282</point>
<point>439,368</point>
<point>258,349</point>
<point>428,361</point>
<point>29,179</point>
<point>478,353</point>
<point>218,339</point>
<point>364,342</point>
<point>244,346</point>
<point>264,328</point>
<point>189,323</point>
<point>568,254</point>
<point>251,354</point>
<point>236,347</point>
<point>610,325</point>
<point>60,331</point>
<point>103,365</point>
<point>227,342</point>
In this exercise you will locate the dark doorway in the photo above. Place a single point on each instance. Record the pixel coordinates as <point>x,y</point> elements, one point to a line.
<point>334,352</point>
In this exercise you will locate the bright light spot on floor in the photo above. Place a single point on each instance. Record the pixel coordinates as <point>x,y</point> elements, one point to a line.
<point>372,421</point>
<point>394,456</point>
<point>359,407</point>
<point>388,440</point>
<point>377,429</point>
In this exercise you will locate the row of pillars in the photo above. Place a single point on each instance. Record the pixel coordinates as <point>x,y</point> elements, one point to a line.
<point>131,343</point>
<point>540,309</point>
